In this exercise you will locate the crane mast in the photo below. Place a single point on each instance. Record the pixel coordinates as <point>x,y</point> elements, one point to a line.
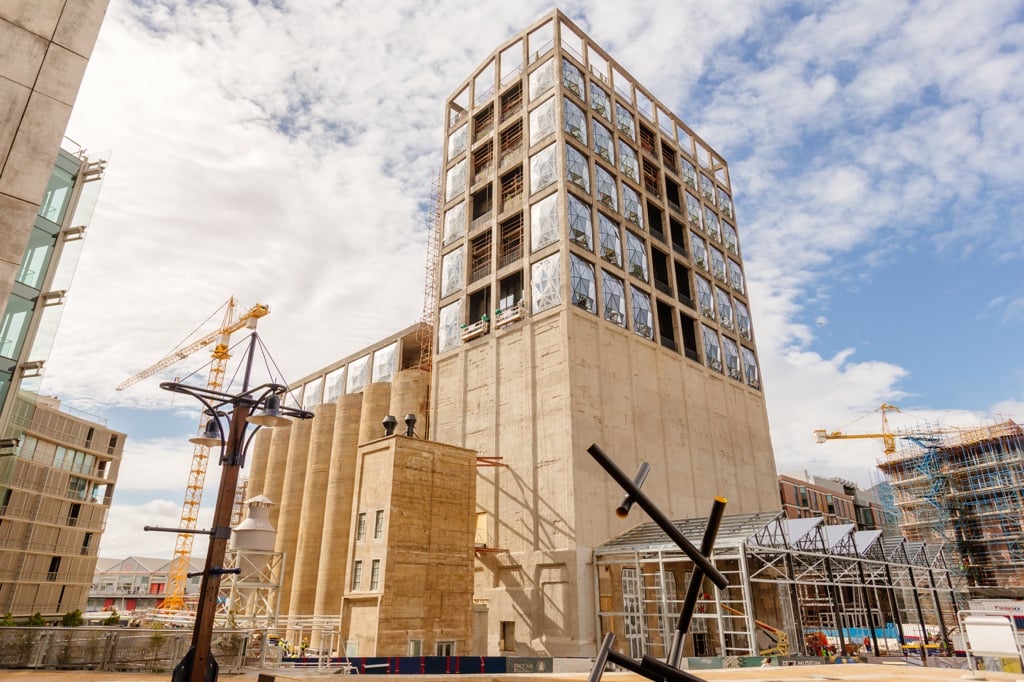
<point>221,353</point>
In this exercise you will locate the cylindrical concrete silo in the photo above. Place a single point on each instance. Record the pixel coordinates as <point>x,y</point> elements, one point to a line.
<point>409,396</point>
<point>376,403</point>
<point>330,584</point>
<point>291,502</point>
<point>259,454</point>
<point>311,519</point>
<point>277,465</point>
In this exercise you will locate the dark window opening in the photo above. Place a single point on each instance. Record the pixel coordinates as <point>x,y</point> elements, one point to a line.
<point>678,236</point>
<point>654,221</point>
<point>512,190</point>
<point>683,285</point>
<point>112,446</point>
<point>483,122</point>
<point>88,437</point>
<point>668,157</point>
<point>86,542</point>
<point>512,102</point>
<point>480,257</point>
<point>73,513</point>
<point>647,141</point>
<point>480,305</point>
<point>652,178</point>
<point>511,246</point>
<point>666,329</point>
<point>672,195</point>
<point>689,329</point>
<point>659,265</point>
<point>51,574</point>
<point>483,203</point>
<point>510,291</point>
<point>511,142</point>
<point>508,636</point>
<point>483,161</point>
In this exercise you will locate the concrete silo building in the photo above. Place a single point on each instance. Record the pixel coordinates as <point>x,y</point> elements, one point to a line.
<point>591,289</point>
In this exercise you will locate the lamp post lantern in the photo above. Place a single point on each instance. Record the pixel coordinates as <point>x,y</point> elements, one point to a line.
<point>228,427</point>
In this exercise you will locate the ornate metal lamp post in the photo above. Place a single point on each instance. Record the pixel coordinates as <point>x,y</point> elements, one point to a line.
<point>228,429</point>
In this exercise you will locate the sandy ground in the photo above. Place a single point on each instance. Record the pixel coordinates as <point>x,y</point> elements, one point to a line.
<point>859,671</point>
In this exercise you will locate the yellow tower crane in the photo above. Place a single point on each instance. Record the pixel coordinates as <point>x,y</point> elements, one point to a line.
<point>180,564</point>
<point>888,439</point>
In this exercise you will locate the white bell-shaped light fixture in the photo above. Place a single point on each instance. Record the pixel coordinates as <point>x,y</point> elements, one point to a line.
<point>210,437</point>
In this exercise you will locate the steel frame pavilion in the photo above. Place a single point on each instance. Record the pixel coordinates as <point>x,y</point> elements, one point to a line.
<point>800,573</point>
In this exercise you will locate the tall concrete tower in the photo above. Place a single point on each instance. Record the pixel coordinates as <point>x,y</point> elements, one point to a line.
<point>591,289</point>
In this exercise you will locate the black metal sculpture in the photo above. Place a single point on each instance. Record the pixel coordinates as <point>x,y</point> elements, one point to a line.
<point>652,668</point>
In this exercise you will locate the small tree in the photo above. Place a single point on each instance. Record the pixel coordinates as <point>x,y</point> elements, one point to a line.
<point>113,619</point>
<point>72,619</point>
<point>7,621</point>
<point>35,620</point>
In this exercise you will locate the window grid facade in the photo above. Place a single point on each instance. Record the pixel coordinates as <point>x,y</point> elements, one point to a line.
<point>622,162</point>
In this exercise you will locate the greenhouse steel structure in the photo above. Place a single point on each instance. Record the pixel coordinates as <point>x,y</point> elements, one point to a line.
<point>795,586</point>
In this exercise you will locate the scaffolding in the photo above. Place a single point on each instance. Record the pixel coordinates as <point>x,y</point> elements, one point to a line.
<point>822,586</point>
<point>963,487</point>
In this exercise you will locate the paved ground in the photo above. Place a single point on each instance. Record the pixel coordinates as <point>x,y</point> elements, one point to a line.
<point>860,671</point>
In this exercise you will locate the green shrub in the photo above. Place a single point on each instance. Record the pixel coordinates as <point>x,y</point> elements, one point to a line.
<point>72,619</point>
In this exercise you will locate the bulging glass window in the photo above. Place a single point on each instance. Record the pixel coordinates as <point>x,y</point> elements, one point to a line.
<point>358,375</point>
<point>581,279</point>
<point>611,244</point>
<point>599,102</point>
<point>544,222</point>
<point>712,349</point>
<point>711,223</point>
<point>542,79</point>
<point>334,384</point>
<point>605,190</point>
<point>604,145</point>
<point>643,324</point>
<point>631,206</point>
<point>707,189</point>
<point>689,174</point>
<point>546,282</point>
<point>718,264</point>
<point>699,249</point>
<point>455,182</point>
<point>384,362</point>
<point>732,241</point>
<point>704,299</point>
<point>693,212</point>
<point>543,169</point>
<point>574,121</point>
<point>736,276</point>
<point>614,299</point>
<point>636,253</point>
<point>627,162</point>
<point>581,229</point>
<point>457,141</point>
<point>449,332</point>
<point>577,170</point>
<point>743,320</point>
<point>724,307</point>
<point>542,122</point>
<point>750,370</point>
<point>732,357</point>
<point>624,122</point>
<point>452,271</point>
<point>572,79</point>
<point>454,222</point>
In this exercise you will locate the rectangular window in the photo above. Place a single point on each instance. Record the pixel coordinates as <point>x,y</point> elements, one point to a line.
<point>51,574</point>
<point>357,575</point>
<point>508,636</point>
<point>378,525</point>
<point>361,526</point>
<point>446,648</point>
<point>375,574</point>
<point>415,647</point>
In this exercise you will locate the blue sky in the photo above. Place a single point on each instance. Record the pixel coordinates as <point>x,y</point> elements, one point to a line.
<point>283,153</point>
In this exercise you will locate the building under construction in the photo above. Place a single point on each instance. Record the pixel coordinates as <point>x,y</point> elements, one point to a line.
<point>963,487</point>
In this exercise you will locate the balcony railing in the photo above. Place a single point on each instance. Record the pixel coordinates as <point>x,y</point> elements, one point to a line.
<point>510,257</point>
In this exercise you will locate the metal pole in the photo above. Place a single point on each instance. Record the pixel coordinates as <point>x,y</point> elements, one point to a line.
<point>198,664</point>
